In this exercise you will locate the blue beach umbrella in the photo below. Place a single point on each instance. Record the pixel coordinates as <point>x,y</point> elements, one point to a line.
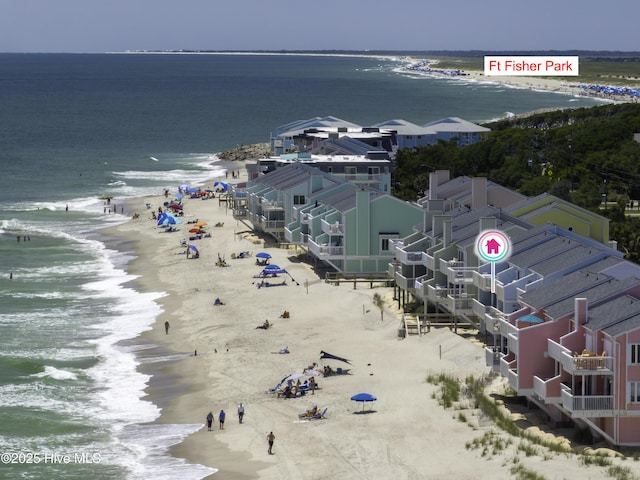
<point>363,398</point>
<point>263,255</point>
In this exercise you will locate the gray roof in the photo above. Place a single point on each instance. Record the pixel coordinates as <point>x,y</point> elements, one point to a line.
<point>455,124</point>
<point>403,127</point>
<point>557,297</point>
<point>594,296</point>
<point>316,122</point>
<point>553,246</point>
<point>344,199</point>
<point>616,316</point>
<point>571,257</point>
<point>290,176</point>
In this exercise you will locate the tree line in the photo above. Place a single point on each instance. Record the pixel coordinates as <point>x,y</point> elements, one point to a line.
<point>587,156</point>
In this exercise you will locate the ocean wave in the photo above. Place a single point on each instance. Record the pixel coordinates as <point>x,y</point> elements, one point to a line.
<point>151,444</point>
<point>57,374</point>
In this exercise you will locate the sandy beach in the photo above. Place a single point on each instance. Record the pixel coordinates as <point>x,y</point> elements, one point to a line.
<point>405,434</point>
<point>549,84</point>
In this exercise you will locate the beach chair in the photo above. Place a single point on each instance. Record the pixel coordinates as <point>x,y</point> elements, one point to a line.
<point>319,416</point>
<point>275,389</point>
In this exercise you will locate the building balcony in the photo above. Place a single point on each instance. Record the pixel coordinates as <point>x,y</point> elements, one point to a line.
<point>271,225</point>
<point>420,286</point>
<point>429,261</point>
<point>392,268</point>
<point>405,283</point>
<point>458,274</point>
<point>492,358</point>
<point>408,258</point>
<point>325,251</point>
<point>306,218</point>
<point>587,406</point>
<point>509,370</point>
<point>332,228</point>
<point>479,309</point>
<point>482,280</point>
<point>577,364</point>
<point>362,178</point>
<point>240,212</point>
<point>547,390</point>
<point>271,205</point>
<point>437,293</point>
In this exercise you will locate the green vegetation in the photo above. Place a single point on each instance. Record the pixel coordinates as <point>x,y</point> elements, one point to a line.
<point>457,394</point>
<point>621,71</point>
<point>583,156</point>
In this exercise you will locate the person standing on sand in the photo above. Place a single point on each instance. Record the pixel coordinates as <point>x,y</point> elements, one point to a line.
<point>209,421</point>
<point>166,327</point>
<point>221,417</point>
<point>270,438</point>
<point>240,412</point>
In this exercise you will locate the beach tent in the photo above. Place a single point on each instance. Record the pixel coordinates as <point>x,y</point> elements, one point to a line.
<point>326,355</point>
<point>194,249</point>
<point>221,186</point>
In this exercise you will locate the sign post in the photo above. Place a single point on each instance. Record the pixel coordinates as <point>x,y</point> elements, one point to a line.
<point>493,246</point>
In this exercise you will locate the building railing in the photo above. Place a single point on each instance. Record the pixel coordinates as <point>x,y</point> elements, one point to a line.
<point>332,228</point>
<point>408,258</point>
<point>272,205</point>
<point>589,404</point>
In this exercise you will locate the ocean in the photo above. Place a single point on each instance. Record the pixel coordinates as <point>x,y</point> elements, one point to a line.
<point>76,129</point>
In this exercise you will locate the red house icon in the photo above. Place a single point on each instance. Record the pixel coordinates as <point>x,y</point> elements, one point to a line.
<point>493,247</point>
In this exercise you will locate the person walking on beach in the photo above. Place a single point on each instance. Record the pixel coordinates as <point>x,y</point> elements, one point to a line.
<point>270,438</point>
<point>240,412</point>
<point>166,327</point>
<point>209,421</point>
<point>221,416</point>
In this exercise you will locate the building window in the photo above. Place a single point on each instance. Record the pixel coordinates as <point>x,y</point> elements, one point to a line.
<point>350,170</point>
<point>299,200</point>
<point>385,241</point>
<point>634,354</point>
<point>634,392</point>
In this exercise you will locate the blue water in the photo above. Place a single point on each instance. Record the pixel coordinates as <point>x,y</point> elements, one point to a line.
<point>75,128</point>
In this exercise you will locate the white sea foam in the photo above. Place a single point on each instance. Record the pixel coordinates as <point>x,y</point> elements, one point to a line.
<point>56,374</point>
<point>151,444</point>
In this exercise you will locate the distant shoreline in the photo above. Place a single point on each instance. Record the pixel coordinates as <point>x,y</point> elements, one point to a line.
<point>543,84</point>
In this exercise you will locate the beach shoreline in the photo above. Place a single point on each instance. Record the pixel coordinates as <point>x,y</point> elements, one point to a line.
<point>541,84</point>
<point>218,359</point>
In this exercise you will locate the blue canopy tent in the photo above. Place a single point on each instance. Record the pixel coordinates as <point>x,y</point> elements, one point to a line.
<point>221,186</point>
<point>166,219</point>
<point>272,271</point>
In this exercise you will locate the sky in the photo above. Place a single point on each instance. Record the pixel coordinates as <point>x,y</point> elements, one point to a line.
<point>406,25</point>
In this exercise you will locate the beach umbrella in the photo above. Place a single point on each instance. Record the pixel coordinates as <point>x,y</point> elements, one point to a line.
<point>363,398</point>
<point>178,196</point>
<point>200,224</point>
<point>294,376</point>
<point>272,267</point>
<point>195,230</point>
<point>194,249</point>
<point>263,255</point>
